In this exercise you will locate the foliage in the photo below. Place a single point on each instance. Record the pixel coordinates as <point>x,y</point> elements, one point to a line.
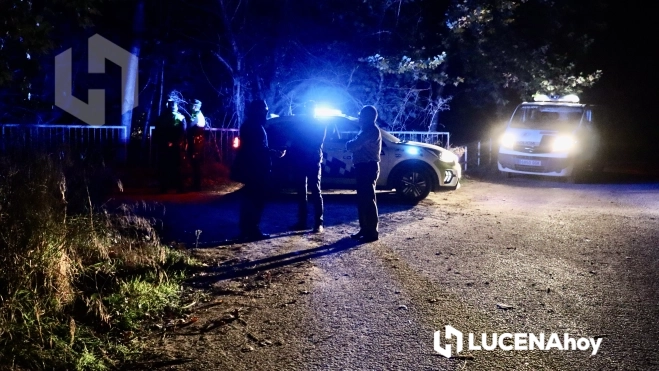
<point>73,284</point>
<point>29,33</point>
<point>522,47</point>
<point>497,50</point>
<point>409,57</point>
<point>28,26</point>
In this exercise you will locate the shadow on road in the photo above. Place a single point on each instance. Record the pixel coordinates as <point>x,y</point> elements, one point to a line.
<point>209,220</point>
<point>242,269</point>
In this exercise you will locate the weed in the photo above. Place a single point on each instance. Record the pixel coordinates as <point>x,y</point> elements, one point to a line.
<point>76,281</point>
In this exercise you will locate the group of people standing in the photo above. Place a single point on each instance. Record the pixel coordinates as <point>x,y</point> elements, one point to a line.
<point>253,164</point>
<point>177,140</point>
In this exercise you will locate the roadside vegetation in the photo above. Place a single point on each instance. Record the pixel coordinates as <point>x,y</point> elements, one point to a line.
<point>79,283</point>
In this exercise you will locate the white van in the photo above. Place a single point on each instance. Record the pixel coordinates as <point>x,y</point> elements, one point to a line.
<point>552,136</point>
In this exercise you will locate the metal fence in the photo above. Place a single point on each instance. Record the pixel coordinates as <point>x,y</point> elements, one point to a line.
<point>56,137</point>
<point>219,144</point>
<point>478,154</point>
<point>439,138</point>
<point>78,137</point>
<point>220,140</point>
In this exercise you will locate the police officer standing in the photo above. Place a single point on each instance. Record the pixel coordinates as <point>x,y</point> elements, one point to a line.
<point>306,153</point>
<point>366,148</point>
<point>169,137</point>
<point>254,164</point>
<point>196,142</point>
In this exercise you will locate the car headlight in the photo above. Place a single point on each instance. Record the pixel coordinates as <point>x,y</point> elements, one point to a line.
<point>563,143</point>
<point>446,156</point>
<point>508,140</point>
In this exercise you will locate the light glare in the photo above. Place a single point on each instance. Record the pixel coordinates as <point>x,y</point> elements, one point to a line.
<point>412,150</point>
<point>508,140</point>
<point>326,112</point>
<point>569,98</point>
<point>563,143</point>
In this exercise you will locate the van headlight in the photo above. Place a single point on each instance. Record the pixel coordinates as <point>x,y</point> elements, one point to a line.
<point>563,143</point>
<point>508,140</point>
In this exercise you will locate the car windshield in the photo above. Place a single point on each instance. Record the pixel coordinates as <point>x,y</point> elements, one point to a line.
<point>559,118</point>
<point>389,137</point>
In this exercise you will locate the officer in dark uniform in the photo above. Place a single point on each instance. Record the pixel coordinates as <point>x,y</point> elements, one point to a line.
<point>366,148</point>
<point>254,164</point>
<point>196,143</point>
<point>306,156</point>
<point>169,137</point>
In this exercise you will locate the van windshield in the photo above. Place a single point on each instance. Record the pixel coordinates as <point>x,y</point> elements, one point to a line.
<point>559,118</point>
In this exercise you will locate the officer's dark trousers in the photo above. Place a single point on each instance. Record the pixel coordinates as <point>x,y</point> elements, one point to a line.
<point>367,207</point>
<point>254,195</point>
<point>308,179</point>
<point>169,168</point>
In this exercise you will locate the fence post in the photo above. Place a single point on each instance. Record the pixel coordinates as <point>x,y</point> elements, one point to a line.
<point>466,157</point>
<point>478,155</point>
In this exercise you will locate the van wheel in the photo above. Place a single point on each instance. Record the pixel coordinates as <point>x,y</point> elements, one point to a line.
<point>580,175</point>
<point>413,183</point>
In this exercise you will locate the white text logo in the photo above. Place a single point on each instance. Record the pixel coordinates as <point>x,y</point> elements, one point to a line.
<point>509,341</point>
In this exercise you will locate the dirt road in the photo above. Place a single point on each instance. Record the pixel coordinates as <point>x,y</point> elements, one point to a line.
<point>517,255</point>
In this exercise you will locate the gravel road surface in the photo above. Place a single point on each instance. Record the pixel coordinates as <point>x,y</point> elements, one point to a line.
<point>521,255</point>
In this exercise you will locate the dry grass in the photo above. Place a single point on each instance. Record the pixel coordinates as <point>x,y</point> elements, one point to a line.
<point>73,278</point>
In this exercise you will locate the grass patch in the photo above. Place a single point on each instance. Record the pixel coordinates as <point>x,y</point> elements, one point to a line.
<point>77,284</point>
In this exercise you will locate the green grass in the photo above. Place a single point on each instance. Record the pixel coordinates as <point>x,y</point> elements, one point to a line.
<point>77,282</point>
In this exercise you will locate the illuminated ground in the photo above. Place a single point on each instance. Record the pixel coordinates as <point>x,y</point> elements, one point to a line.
<point>579,259</point>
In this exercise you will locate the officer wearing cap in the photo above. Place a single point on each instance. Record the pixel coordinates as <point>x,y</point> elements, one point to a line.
<point>366,148</point>
<point>196,143</point>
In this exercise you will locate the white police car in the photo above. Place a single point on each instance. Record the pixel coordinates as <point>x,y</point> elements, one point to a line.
<point>413,169</point>
<point>551,136</point>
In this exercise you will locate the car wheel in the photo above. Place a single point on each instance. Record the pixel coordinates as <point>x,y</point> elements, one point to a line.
<point>413,183</point>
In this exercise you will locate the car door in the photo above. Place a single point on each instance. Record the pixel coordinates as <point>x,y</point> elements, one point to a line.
<point>338,164</point>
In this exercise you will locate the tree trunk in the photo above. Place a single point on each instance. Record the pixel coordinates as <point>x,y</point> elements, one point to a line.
<point>237,69</point>
<point>147,119</point>
<point>130,94</point>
